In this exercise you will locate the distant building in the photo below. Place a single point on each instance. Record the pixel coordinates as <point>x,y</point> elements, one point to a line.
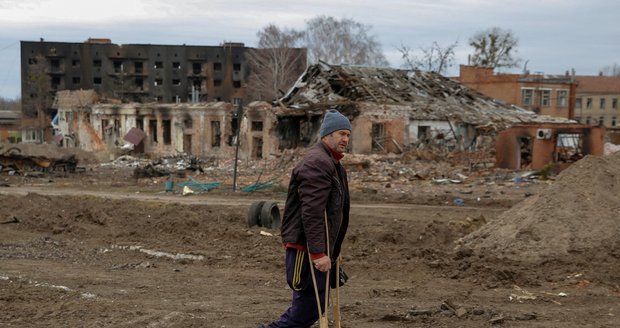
<point>129,73</point>
<point>552,95</point>
<point>597,100</point>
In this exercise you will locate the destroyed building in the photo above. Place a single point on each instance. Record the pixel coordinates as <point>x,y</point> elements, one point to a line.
<point>131,73</point>
<point>207,129</point>
<point>393,109</point>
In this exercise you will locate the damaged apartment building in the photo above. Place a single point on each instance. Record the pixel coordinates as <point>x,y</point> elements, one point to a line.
<point>131,73</point>
<point>393,109</point>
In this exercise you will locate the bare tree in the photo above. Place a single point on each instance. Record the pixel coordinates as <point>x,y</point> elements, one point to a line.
<point>611,70</point>
<point>495,48</point>
<point>433,59</point>
<point>342,41</point>
<point>275,64</point>
<point>10,104</point>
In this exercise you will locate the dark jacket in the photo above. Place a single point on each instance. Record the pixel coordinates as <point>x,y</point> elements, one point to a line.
<point>318,185</point>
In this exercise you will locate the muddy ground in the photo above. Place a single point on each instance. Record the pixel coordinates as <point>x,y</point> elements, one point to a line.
<point>102,249</point>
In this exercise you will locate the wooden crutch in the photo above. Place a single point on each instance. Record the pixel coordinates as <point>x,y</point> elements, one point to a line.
<point>336,305</point>
<point>323,322</point>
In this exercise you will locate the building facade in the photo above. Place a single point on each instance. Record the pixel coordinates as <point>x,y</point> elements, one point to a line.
<point>597,100</point>
<point>205,129</point>
<point>552,95</point>
<point>141,73</point>
<point>138,72</point>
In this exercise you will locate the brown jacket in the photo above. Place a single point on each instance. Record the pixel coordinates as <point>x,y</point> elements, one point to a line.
<point>318,185</point>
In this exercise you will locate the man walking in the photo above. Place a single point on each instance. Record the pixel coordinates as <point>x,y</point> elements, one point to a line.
<point>318,195</point>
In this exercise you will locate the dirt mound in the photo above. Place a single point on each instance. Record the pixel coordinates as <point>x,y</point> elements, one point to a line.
<point>50,151</point>
<point>576,219</point>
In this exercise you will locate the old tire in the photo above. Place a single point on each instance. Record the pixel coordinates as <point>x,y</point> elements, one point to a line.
<point>270,216</point>
<point>254,213</point>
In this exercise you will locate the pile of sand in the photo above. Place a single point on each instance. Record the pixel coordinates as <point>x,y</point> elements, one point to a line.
<point>51,151</point>
<point>576,216</point>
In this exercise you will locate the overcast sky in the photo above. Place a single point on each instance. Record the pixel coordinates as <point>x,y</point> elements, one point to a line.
<point>554,35</point>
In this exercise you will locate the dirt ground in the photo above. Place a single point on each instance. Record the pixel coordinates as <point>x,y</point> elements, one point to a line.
<point>103,249</point>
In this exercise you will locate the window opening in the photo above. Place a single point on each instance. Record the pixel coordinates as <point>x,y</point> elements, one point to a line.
<point>216,134</point>
<point>378,137</point>
<point>257,125</point>
<point>153,130</point>
<point>167,126</point>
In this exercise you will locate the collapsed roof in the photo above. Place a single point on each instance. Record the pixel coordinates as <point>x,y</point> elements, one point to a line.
<point>428,96</point>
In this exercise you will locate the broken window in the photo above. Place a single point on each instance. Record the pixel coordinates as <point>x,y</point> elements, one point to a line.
<point>75,63</point>
<point>176,65</point>
<point>614,103</point>
<point>257,147</point>
<point>138,66</point>
<point>117,127</point>
<point>153,130</point>
<point>589,103</point>
<point>55,64</point>
<point>196,68</point>
<point>525,152</point>
<point>187,143</point>
<point>159,82</point>
<point>237,84</point>
<point>118,66</point>
<point>96,80</point>
<point>167,126</point>
<point>97,63</point>
<point>217,67</point>
<point>217,83</point>
<point>613,121</point>
<point>234,124</point>
<point>602,103</point>
<point>216,134</point>
<point>578,103</point>
<point>236,67</point>
<point>562,100</point>
<point>32,61</point>
<point>601,121</point>
<point>140,83</point>
<point>424,132</point>
<point>55,82</point>
<point>176,82</point>
<point>569,147</point>
<point>527,96</point>
<point>188,123</point>
<point>75,80</point>
<point>588,120</point>
<point>140,123</point>
<point>378,136</point>
<point>257,125</point>
<point>158,65</point>
<point>236,101</point>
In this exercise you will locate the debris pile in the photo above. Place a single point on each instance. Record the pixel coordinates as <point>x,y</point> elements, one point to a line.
<point>574,219</point>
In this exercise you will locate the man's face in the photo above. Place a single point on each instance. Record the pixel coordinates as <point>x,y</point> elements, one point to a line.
<point>338,140</point>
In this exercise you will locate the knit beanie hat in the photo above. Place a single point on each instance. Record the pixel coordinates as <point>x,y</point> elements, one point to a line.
<point>334,121</point>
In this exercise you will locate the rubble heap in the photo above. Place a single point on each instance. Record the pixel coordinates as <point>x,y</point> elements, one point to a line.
<point>574,219</point>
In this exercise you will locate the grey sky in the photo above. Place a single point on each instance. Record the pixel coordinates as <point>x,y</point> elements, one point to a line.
<point>554,35</point>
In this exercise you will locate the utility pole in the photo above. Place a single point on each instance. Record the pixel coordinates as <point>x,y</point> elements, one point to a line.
<point>239,115</point>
